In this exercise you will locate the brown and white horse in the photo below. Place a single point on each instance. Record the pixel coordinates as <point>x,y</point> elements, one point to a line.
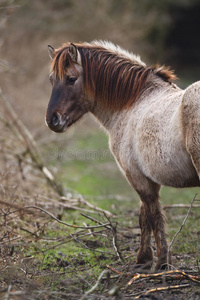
<point>153,125</point>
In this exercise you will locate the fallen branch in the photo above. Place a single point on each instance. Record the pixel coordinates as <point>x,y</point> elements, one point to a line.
<point>75,203</point>
<point>180,206</point>
<point>173,274</point>
<point>168,275</point>
<point>159,289</point>
<point>61,222</point>
<point>81,200</point>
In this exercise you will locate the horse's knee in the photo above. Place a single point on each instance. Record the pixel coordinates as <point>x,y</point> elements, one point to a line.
<point>145,219</point>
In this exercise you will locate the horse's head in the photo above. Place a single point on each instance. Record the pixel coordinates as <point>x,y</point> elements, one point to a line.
<point>67,102</point>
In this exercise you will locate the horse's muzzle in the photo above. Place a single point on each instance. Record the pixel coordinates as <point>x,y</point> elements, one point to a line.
<point>58,123</point>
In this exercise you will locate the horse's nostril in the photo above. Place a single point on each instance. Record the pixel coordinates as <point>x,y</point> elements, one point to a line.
<point>55,119</point>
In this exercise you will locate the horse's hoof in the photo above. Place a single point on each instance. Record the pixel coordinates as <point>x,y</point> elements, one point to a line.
<point>142,268</point>
<point>162,267</point>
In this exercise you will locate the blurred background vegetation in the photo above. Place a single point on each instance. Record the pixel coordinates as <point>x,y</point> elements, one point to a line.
<point>160,31</point>
<point>165,32</point>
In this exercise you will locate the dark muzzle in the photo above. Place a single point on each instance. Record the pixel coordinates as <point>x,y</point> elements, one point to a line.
<point>57,123</point>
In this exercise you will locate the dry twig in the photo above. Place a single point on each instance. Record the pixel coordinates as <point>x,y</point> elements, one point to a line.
<point>81,200</point>
<point>172,275</point>
<point>159,289</point>
<point>112,228</point>
<point>74,203</point>
<point>182,225</point>
<point>115,242</point>
<point>180,206</point>
<point>61,222</point>
<point>95,286</point>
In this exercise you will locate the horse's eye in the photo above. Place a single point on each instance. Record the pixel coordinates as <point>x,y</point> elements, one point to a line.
<point>71,80</point>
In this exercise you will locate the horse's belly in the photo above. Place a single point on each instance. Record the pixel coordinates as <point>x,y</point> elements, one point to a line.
<point>167,163</point>
<point>171,174</point>
<point>161,152</point>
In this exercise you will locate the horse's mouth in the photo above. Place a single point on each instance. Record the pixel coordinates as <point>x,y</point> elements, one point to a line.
<point>58,123</point>
<point>62,129</point>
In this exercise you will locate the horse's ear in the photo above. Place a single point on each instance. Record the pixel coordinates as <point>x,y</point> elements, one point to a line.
<point>73,52</point>
<point>51,52</point>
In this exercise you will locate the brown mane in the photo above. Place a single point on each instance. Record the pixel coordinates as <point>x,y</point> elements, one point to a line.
<point>114,80</point>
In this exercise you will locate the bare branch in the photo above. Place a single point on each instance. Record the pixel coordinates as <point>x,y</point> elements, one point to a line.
<point>115,242</point>
<point>173,274</point>
<point>95,286</point>
<point>163,288</point>
<point>64,223</point>
<point>180,205</point>
<point>182,225</point>
<point>83,201</point>
<point>113,230</point>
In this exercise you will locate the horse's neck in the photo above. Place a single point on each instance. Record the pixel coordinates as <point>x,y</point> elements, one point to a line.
<point>111,118</point>
<point>106,117</point>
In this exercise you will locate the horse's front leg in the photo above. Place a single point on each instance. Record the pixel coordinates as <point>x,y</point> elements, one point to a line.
<point>158,226</point>
<point>145,253</point>
<point>152,219</point>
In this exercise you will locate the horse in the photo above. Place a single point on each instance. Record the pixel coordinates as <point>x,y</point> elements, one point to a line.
<point>152,125</point>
